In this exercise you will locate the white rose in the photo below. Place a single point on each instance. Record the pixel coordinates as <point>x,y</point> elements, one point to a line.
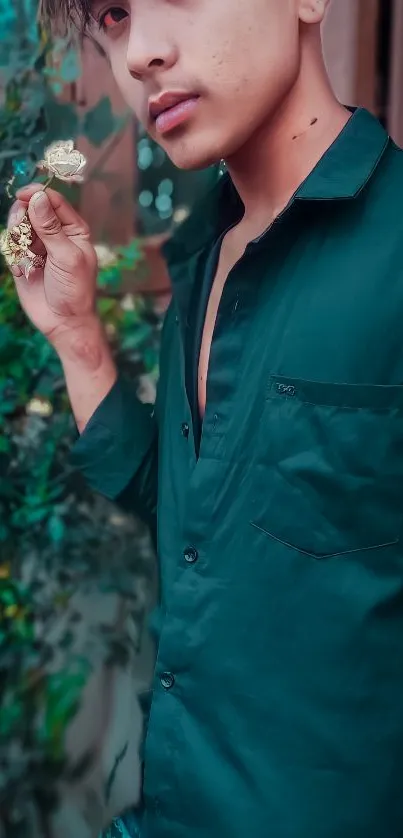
<point>63,161</point>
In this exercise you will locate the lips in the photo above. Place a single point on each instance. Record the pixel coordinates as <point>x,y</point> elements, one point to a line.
<point>168,100</point>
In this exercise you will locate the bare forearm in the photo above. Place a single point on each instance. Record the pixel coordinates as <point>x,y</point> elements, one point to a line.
<point>89,369</point>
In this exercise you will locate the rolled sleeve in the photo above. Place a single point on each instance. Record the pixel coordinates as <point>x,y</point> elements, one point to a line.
<point>117,441</point>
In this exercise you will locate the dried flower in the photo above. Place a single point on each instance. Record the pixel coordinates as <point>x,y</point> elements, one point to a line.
<point>15,247</point>
<point>105,255</point>
<point>29,261</point>
<point>25,241</point>
<point>128,303</point>
<point>64,162</point>
<point>11,256</point>
<point>39,407</point>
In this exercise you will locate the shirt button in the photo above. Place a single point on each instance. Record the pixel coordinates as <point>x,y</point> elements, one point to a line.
<point>167,680</point>
<point>185,430</point>
<point>191,555</point>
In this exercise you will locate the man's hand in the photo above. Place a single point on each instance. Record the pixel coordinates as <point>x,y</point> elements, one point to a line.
<point>60,299</point>
<point>63,293</point>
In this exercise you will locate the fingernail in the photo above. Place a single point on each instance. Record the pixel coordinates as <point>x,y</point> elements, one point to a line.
<point>16,271</point>
<point>40,203</point>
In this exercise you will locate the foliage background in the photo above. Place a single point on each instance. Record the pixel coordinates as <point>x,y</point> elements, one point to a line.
<point>56,537</point>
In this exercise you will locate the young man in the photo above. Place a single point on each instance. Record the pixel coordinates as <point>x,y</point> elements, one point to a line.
<point>272,466</point>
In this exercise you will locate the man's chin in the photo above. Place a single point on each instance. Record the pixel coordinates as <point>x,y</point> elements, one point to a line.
<point>191,157</point>
<point>193,162</point>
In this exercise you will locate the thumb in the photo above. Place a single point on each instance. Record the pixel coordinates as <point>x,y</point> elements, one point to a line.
<point>47,225</point>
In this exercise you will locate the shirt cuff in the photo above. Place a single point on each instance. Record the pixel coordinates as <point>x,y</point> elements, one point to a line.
<point>116,440</point>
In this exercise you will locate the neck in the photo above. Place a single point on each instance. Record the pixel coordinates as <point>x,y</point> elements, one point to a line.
<point>268,170</point>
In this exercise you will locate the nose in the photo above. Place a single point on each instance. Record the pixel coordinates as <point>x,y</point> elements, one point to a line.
<point>148,53</point>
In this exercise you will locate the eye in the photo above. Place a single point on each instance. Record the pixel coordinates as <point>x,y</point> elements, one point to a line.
<point>111,18</point>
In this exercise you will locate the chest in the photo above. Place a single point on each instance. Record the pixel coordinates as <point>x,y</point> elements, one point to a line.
<point>207,337</point>
<point>230,252</point>
<point>302,309</point>
<point>302,434</point>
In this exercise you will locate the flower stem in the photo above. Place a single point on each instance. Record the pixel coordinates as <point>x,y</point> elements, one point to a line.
<point>48,182</point>
<point>45,186</point>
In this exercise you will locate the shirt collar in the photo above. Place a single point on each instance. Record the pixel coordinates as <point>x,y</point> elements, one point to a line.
<point>212,215</point>
<point>349,163</point>
<point>342,172</point>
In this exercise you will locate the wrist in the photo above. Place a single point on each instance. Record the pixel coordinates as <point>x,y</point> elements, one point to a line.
<point>83,342</point>
<point>88,366</point>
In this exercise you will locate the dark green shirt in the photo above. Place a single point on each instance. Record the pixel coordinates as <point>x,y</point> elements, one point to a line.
<point>277,705</point>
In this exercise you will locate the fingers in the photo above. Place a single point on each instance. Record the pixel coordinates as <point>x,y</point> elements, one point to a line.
<point>26,192</point>
<point>17,212</point>
<point>48,227</point>
<point>54,223</point>
<point>70,219</point>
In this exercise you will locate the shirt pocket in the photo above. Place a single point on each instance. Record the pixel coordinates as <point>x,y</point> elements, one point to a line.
<point>328,476</point>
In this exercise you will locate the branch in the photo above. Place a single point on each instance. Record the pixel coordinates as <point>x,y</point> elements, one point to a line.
<point>4,155</point>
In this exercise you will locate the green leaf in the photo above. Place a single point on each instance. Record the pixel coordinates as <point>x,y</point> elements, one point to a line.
<point>5,445</point>
<point>106,306</point>
<point>100,122</point>
<point>56,529</point>
<point>136,338</point>
<point>131,254</point>
<point>110,277</point>
<point>70,69</point>
<point>62,697</point>
<point>25,517</point>
<point>62,120</point>
<point>10,717</point>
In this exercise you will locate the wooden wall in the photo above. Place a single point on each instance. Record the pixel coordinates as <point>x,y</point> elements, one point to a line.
<point>108,198</point>
<point>395,107</point>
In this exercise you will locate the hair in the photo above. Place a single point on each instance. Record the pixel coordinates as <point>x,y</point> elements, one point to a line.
<point>63,15</point>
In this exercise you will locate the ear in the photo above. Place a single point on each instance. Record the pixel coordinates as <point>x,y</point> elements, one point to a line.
<point>312,11</point>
